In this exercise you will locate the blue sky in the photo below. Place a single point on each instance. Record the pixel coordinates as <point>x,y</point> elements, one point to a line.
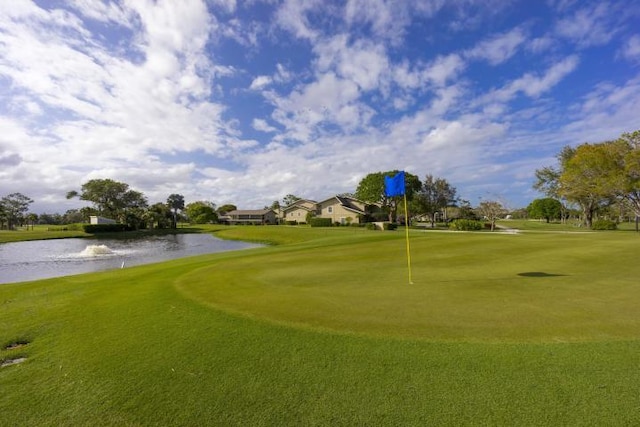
<point>246,102</point>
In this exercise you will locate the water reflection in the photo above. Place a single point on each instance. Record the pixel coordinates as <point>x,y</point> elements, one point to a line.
<point>40,259</point>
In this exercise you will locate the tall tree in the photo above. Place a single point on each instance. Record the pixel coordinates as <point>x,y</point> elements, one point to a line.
<point>434,196</point>
<point>371,190</point>
<point>630,190</point>
<point>14,206</point>
<point>587,177</point>
<point>547,208</point>
<point>112,199</point>
<point>175,203</point>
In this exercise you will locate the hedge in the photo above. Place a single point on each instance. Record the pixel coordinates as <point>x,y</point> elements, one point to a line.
<point>320,222</point>
<point>105,228</point>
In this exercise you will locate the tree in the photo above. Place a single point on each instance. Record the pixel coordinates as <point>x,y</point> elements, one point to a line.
<point>201,212</point>
<point>224,209</point>
<point>630,190</point>
<point>13,208</point>
<point>175,202</point>
<point>73,216</point>
<point>547,208</point>
<point>113,199</point>
<point>491,211</point>
<point>290,199</point>
<point>158,215</point>
<point>434,196</point>
<point>32,219</point>
<point>587,178</point>
<point>578,178</point>
<point>371,190</point>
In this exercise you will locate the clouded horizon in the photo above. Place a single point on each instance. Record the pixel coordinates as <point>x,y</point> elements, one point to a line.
<point>246,102</point>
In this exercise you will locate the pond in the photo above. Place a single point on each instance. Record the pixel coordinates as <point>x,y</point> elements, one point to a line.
<point>42,259</point>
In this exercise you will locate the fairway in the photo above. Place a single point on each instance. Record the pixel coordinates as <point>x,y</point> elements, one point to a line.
<point>323,328</point>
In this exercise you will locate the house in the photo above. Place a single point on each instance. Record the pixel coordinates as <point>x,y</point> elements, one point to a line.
<point>298,210</point>
<point>262,216</point>
<point>342,210</point>
<point>93,219</point>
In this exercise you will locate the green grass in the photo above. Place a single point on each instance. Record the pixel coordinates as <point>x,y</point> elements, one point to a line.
<point>39,233</point>
<point>323,329</point>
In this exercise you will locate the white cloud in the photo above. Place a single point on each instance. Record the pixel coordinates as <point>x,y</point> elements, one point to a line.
<point>444,68</point>
<point>532,85</point>
<point>631,48</point>
<point>590,25</point>
<point>362,62</point>
<point>499,48</point>
<point>292,16</point>
<point>260,82</point>
<point>263,126</point>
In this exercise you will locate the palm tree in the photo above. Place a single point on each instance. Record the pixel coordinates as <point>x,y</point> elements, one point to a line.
<point>175,203</point>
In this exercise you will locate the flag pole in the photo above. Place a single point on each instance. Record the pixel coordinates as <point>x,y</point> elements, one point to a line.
<point>406,228</point>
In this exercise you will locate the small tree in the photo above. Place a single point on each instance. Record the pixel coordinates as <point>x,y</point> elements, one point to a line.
<point>491,211</point>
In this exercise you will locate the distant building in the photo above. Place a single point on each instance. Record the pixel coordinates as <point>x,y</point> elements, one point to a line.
<point>101,220</point>
<point>262,216</point>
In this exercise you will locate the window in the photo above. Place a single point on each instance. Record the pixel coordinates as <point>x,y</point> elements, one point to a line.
<point>330,209</point>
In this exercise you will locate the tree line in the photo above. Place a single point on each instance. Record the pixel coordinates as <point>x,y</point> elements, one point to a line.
<point>113,200</point>
<point>595,177</point>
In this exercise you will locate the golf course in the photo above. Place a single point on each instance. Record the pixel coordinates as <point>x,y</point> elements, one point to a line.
<point>321,327</point>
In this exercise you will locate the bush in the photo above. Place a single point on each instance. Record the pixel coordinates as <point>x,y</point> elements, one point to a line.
<point>371,226</point>
<point>320,222</point>
<point>604,224</point>
<point>389,226</point>
<point>292,222</point>
<point>105,228</point>
<point>466,225</point>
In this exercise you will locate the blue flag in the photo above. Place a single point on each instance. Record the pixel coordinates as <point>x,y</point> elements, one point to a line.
<point>394,185</point>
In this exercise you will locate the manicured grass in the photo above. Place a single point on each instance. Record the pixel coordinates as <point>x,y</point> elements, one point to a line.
<point>527,329</point>
<point>38,233</point>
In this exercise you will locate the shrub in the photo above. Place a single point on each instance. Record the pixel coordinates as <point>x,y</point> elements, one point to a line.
<point>371,226</point>
<point>466,225</point>
<point>389,226</point>
<point>604,224</point>
<point>320,222</point>
<point>292,222</point>
<point>105,228</point>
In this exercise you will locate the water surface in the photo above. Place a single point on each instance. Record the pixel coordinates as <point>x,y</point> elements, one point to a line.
<point>41,259</point>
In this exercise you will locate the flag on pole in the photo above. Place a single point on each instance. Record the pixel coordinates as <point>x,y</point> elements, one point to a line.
<point>394,185</point>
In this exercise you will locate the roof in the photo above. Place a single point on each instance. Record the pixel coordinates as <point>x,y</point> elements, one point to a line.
<point>250,212</point>
<point>299,204</point>
<point>347,203</point>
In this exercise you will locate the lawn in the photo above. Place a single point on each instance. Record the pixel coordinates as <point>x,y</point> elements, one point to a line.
<point>323,328</point>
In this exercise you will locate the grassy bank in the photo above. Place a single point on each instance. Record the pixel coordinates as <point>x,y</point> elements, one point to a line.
<point>323,329</point>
